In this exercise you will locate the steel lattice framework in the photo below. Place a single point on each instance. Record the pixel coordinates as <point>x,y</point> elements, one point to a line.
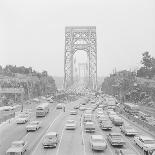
<point>80,38</point>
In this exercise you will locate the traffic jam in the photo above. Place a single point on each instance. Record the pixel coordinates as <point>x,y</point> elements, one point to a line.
<point>94,121</point>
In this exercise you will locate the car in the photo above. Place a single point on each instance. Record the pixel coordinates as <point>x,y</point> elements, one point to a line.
<point>116,139</point>
<point>50,140</point>
<point>102,118</point>
<point>117,121</point>
<point>22,119</point>
<point>70,125</point>
<point>99,113</point>
<point>76,107</point>
<point>112,116</point>
<point>87,117</point>
<point>59,106</point>
<point>145,142</point>
<point>17,148</point>
<point>125,152</point>
<point>97,142</point>
<point>106,125</point>
<point>33,126</point>
<point>73,112</point>
<point>82,107</point>
<point>89,127</point>
<point>128,130</point>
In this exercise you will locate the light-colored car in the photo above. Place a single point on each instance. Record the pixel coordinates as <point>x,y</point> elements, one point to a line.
<point>106,125</point>
<point>22,119</point>
<point>33,126</point>
<point>60,106</point>
<point>70,125</point>
<point>73,112</point>
<point>17,148</point>
<point>97,142</point>
<point>116,139</point>
<point>128,130</point>
<point>82,107</point>
<point>145,142</point>
<point>50,140</point>
<point>99,113</point>
<point>89,127</point>
<point>117,121</point>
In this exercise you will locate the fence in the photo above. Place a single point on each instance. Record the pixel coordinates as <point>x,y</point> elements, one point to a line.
<point>142,123</point>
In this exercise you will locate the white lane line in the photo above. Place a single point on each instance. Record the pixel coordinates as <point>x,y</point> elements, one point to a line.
<point>40,124</point>
<point>83,141</point>
<point>60,140</point>
<point>45,132</point>
<point>130,144</point>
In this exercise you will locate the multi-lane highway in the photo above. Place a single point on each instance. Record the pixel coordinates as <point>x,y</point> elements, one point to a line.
<point>71,142</point>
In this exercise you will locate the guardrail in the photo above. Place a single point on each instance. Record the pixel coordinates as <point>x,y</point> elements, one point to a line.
<point>144,124</point>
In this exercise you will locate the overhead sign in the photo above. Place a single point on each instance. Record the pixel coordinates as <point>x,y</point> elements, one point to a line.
<point>11,90</point>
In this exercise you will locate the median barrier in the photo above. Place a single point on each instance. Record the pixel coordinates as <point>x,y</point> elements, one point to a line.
<point>140,122</point>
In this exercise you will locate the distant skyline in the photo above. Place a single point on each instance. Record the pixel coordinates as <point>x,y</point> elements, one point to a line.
<point>32,32</point>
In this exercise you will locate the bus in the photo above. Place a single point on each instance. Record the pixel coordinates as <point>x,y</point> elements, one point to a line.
<point>42,110</point>
<point>131,108</point>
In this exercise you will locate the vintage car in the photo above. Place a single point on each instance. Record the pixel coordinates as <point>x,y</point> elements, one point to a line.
<point>128,130</point>
<point>82,107</point>
<point>73,112</point>
<point>117,121</point>
<point>59,106</point>
<point>22,119</point>
<point>33,126</point>
<point>106,125</point>
<point>97,142</point>
<point>76,107</point>
<point>50,140</point>
<point>89,127</point>
<point>145,142</point>
<point>70,124</point>
<point>17,148</point>
<point>116,139</point>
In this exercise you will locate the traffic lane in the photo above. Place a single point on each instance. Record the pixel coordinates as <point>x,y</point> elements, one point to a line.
<point>71,142</point>
<point>131,139</point>
<point>110,150</point>
<point>13,132</point>
<point>128,139</point>
<point>57,126</point>
<point>33,137</point>
<point>128,145</point>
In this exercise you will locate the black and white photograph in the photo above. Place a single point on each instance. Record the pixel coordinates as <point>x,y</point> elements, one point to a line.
<point>77,77</point>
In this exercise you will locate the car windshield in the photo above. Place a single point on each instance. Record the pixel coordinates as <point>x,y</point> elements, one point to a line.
<point>149,141</point>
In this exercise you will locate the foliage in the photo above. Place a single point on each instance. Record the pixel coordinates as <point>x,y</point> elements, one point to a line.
<point>148,66</point>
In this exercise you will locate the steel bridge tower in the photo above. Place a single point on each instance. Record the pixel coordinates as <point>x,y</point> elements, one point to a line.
<point>80,38</point>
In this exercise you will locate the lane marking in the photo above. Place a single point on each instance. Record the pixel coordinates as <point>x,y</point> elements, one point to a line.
<point>83,141</point>
<point>128,141</point>
<point>45,132</point>
<point>40,124</point>
<point>60,140</point>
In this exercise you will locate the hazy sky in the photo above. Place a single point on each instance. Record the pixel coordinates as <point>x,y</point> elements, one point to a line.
<point>32,32</point>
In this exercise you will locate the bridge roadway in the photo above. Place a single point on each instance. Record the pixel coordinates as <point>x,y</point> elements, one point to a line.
<point>72,142</point>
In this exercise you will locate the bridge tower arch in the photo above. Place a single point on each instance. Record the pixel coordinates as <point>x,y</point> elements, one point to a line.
<point>80,38</point>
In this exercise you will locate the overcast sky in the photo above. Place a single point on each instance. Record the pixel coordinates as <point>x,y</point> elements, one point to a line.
<point>32,32</point>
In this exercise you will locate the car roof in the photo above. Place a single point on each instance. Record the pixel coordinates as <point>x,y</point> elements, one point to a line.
<point>51,134</point>
<point>97,137</point>
<point>143,137</point>
<point>18,142</point>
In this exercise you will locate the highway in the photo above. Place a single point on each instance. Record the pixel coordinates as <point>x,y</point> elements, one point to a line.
<point>71,142</point>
